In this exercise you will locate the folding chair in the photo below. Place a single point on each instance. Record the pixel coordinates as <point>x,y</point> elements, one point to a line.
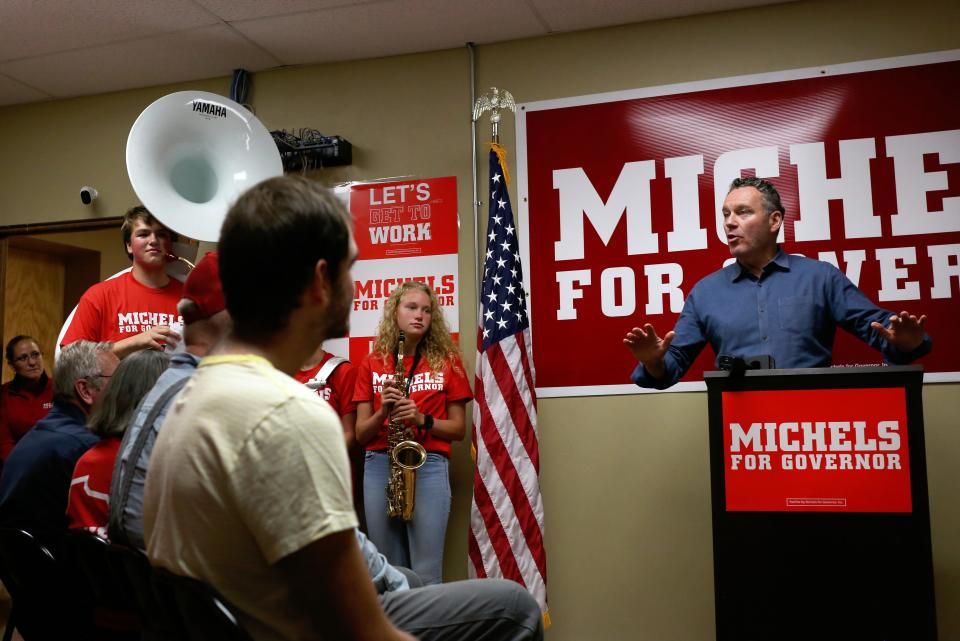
<point>206,616</point>
<point>49,604</point>
<point>158,611</point>
<point>116,613</point>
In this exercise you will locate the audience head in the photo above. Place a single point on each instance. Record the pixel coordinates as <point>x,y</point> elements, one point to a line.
<point>278,237</point>
<point>25,357</point>
<point>82,373</point>
<point>205,318</point>
<point>132,379</point>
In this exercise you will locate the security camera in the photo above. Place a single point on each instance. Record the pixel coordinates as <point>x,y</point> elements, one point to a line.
<point>87,195</point>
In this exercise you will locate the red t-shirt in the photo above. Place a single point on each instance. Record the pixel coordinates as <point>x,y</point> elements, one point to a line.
<point>88,504</point>
<point>338,390</point>
<point>431,391</point>
<point>21,406</point>
<point>122,307</point>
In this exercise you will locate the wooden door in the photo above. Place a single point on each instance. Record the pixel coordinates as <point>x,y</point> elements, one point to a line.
<point>41,281</point>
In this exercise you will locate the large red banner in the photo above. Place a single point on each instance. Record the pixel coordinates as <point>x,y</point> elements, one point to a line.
<point>840,450</point>
<point>620,197</point>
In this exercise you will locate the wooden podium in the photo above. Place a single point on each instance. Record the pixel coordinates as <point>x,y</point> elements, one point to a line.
<point>821,523</point>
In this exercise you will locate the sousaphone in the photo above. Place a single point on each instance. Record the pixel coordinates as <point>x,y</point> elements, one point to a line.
<point>190,155</point>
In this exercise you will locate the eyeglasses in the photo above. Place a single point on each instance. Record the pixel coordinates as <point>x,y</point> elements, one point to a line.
<point>23,358</point>
<point>93,376</point>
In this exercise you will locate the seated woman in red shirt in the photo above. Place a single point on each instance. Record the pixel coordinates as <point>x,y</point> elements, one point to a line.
<point>88,502</point>
<point>28,397</point>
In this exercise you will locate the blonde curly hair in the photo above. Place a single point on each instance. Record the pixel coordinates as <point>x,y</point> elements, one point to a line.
<point>437,345</point>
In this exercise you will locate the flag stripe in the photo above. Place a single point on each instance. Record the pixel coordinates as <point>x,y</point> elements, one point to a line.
<point>516,559</point>
<point>526,356</point>
<point>506,364</point>
<point>473,549</point>
<point>498,538</point>
<point>508,430</point>
<point>517,491</point>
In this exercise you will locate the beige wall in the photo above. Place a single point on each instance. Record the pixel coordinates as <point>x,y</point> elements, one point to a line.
<point>627,498</point>
<point>106,241</point>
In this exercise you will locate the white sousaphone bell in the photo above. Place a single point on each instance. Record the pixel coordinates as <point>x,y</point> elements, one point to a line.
<point>190,155</point>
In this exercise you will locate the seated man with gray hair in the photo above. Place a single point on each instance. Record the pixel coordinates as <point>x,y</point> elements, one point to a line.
<point>36,478</point>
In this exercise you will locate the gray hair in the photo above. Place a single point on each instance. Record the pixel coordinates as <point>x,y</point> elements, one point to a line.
<point>769,193</point>
<point>77,361</point>
<point>133,378</point>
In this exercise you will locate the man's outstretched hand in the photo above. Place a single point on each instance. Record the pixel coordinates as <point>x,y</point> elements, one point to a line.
<point>905,332</point>
<point>648,348</point>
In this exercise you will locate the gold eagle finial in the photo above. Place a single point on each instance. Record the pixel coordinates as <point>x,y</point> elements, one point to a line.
<point>494,102</point>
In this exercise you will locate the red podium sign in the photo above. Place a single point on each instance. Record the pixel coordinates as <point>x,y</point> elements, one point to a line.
<point>818,450</point>
<point>819,487</point>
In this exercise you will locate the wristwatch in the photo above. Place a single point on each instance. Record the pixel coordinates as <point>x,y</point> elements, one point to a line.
<point>427,422</point>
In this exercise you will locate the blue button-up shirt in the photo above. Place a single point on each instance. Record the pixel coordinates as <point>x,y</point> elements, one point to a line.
<point>36,477</point>
<point>791,312</point>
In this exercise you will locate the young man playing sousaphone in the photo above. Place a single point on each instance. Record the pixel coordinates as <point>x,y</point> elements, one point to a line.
<point>134,310</point>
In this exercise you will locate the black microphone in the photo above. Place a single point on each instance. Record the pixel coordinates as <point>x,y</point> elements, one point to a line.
<point>737,365</point>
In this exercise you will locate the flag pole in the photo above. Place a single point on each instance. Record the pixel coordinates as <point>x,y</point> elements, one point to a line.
<point>471,51</point>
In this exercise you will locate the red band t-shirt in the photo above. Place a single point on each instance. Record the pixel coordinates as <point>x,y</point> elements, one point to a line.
<point>431,391</point>
<point>122,307</point>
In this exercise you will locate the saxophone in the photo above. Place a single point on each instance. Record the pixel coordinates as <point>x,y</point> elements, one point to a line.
<point>406,455</point>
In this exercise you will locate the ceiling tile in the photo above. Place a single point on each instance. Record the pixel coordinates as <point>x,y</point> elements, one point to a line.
<point>13,92</point>
<point>570,15</point>
<point>31,28</point>
<point>232,10</point>
<point>82,47</point>
<point>385,29</point>
<point>186,55</point>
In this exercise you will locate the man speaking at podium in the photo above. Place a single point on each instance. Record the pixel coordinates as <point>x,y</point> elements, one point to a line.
<point>769,303</point>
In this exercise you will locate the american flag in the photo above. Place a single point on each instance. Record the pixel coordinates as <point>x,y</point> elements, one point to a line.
<point>506,519</point>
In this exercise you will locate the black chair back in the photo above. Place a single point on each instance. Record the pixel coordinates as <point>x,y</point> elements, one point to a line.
<point>49,603</point>
<point>88,553</point>
<point>158,611</point>
<point>206,616</point>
